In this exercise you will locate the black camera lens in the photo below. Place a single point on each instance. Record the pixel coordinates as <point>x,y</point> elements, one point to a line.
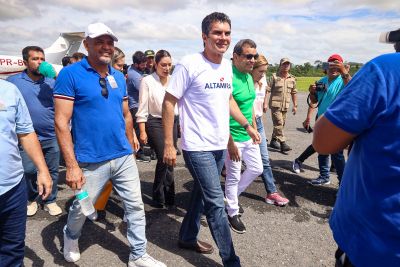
<point>394,36</point>
<point>320,87</point>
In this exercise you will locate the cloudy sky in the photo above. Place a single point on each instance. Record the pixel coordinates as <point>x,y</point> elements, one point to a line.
<point>303,30</point>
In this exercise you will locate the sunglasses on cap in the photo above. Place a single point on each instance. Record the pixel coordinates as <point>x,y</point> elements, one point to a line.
<point>104,90</point>
<point>250,56</point>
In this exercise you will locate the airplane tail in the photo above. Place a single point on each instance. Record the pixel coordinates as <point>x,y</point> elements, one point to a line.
<point>65,45</point>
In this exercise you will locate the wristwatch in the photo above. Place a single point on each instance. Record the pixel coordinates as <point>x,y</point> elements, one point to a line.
<point>247,125</point>
<point>345,76</point>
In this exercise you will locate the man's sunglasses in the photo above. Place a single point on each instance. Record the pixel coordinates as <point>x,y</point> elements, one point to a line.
<point>250,56</point>
<point>104,90</point>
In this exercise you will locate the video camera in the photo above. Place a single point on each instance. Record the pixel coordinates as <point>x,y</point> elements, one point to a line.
<point>390,37</point>
<point>321,87</point>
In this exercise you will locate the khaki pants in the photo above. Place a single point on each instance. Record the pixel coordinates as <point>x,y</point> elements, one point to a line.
<point>278,119</point>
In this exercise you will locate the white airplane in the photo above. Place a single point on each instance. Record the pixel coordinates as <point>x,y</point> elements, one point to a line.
<point>65,45</point>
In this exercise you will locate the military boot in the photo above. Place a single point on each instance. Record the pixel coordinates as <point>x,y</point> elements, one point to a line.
<point>285,147</point>
<point>274,144</point>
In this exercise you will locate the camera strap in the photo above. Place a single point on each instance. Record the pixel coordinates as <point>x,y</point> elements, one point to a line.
<point>319,102</point>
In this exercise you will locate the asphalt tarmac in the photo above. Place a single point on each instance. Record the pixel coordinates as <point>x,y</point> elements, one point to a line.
<point>295,235</point>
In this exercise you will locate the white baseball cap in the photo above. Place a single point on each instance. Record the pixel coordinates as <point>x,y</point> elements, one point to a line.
<point>95,30</point>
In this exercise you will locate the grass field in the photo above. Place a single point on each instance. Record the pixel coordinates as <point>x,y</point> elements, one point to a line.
<point>304,82</point>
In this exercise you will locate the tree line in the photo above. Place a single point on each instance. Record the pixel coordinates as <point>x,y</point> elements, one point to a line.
<point>311,70</point>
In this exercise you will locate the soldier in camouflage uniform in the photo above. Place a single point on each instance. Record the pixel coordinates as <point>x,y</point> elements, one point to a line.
<point>282,87</point>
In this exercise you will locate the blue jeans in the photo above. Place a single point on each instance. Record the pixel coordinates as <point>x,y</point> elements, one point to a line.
<point>338,161</point>
<point>266,176</point>
<point>13,225</point>
<point>124,176</point>
<point>207,196</point>
<point>51,154</point>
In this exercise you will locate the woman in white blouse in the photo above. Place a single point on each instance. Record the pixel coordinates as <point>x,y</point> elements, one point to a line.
<point>151,96</point>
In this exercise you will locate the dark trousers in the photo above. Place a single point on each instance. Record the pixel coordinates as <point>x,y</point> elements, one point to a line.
<point>135,125</point>
<point>13,225</point>
<point>164,184</point>
<point>306,153</point>
<point>51,153</point>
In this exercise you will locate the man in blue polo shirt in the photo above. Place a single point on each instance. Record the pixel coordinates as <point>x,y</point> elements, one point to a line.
<point>365,221</point>
<point>37,91</point>
<point>93,95</point>
<point>16,126</point>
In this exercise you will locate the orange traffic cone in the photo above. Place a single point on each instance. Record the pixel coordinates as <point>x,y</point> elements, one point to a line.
<point>103,198</point>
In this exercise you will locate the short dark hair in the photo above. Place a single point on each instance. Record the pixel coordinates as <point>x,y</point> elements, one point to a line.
<point>26,50</point>
<point>139,57</point>
<point>211,18</point>
<point>160,54</point>
<point>66,61</point>
<point>78,55</point>
<point>238,49</point>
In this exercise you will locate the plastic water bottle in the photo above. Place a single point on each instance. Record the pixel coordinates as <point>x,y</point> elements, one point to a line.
<point>86,204</point>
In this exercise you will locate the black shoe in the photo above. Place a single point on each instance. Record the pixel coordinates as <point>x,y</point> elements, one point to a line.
<point>241,210</point>
<point>236,224</point>
<point>320,181</point>
<point>158,205</point>
<point>143,158</point>
<point>153,155</point>
<point>285,147</point>
<point>178,152</point>
<point>332,169</point>
<point>274,144</point>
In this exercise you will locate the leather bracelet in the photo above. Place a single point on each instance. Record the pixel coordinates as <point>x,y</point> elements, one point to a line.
<point>247,125</point>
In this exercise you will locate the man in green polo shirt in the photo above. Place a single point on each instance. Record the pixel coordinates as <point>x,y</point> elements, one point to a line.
<point>241,146</point>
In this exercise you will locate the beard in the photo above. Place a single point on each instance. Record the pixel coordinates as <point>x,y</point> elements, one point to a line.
<point>35,72</point>
<point>105,60</point>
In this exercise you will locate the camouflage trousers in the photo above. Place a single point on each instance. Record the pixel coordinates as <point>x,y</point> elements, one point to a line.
<point>278,119</point>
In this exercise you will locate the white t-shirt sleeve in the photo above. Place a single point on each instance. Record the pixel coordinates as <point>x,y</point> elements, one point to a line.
<point>179,82</point>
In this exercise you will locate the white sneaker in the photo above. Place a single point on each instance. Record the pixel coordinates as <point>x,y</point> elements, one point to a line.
<point>146,261</point>
<point>93,217</point>
<point>53,209</point>
<point>32,208</point>
<point>296,166</point>
<point>71,248</point>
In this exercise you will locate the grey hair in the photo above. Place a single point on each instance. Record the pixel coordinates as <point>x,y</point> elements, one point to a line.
<point>238,49</point>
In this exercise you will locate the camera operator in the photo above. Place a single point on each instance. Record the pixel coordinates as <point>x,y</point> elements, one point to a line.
<point>323,93</point>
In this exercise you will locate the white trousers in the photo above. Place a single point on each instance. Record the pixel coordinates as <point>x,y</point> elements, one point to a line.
<point>236,182</point>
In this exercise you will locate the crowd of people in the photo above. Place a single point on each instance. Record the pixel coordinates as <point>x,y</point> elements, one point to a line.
<point>103,117</point>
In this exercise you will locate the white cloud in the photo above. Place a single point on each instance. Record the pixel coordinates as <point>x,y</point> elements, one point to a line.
<point>100,5</point>
<point>304,30</point>
<point>15,9</point>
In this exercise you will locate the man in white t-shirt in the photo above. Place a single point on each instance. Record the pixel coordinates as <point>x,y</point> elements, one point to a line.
<point>202,86</point>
